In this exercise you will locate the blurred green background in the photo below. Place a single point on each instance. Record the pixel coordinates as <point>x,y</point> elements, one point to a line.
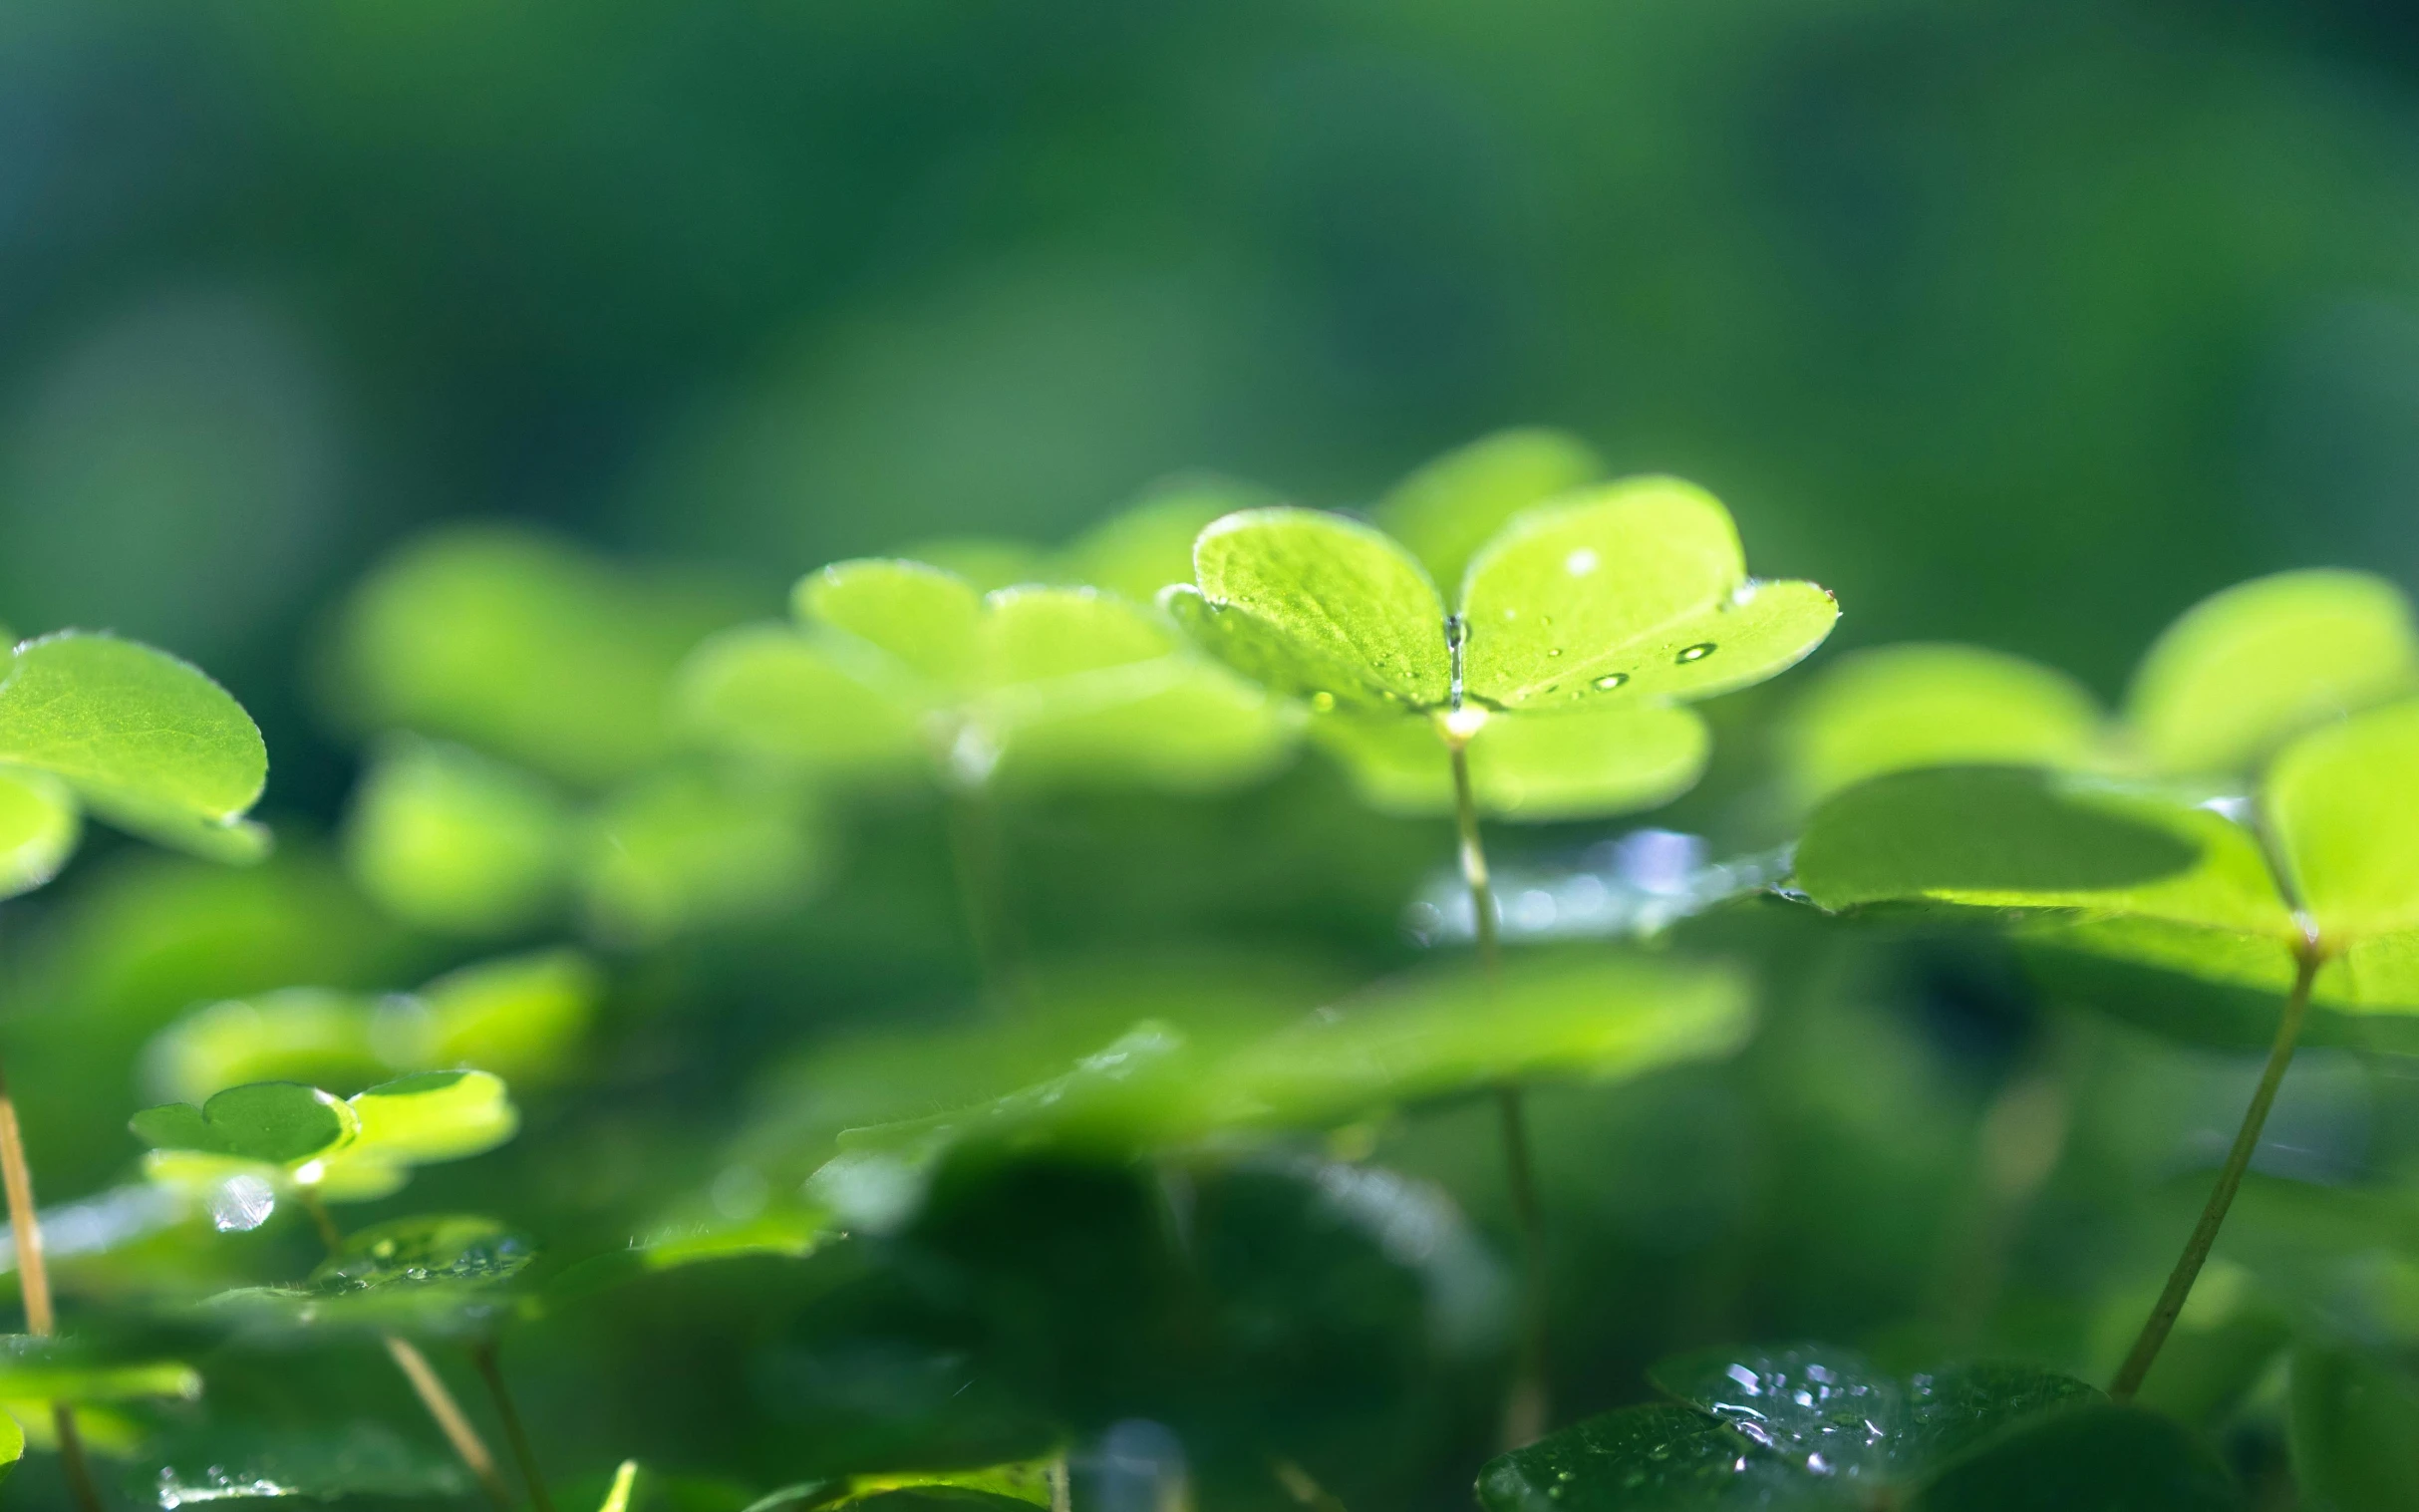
<point>2023,323</point>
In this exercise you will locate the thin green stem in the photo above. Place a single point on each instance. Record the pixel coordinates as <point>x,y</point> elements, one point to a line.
<point>2230,1180</point>
<point>483,1355</point>
<point>973,852</point>
<point>34,1283</point>
<point>1527,1405</point>
<point>425,1384</point>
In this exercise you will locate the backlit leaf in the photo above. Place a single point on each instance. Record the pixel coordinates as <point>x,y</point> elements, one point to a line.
<point>1634,590</point>
<point>67,1370</point>
<point>521,1017</point>
<point>1150,544</point>
<point>300,1034</point>
<point>2247,668</point>
<point>2344,801</point>
<point>446,1247</point>
<point>1900,707</point>
<point>431,1116</point>
<point>921,616</point>
<point>1448,509</point>
<point>1321,603</point>
<point>772,693</point>
<point>1178,723</point>
<point>1036,634</point>
<point>450,840</point>
<point>1585,764</point>
<point>39,828</point>
<point>149,743</point>
<point>684,849</point>
<point>2009,837</point>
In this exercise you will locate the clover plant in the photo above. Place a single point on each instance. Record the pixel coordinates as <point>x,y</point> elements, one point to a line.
<point>1554,687</point>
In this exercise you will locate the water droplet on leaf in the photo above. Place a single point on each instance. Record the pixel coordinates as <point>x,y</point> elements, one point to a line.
<point>1324,702</point>
<point>1695,653</point>
<point>1611,681</point>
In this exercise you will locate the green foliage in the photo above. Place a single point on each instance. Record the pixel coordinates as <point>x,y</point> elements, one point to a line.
<point>1600,608</point>
<point>522,645</point>
<point>2355,1431</point>
<point>56,1369</point>
<point>291,1137</point>
<point>1446,511</point>
<point>1903,707</point>
<point>147,742</point>
<point>1814,1428</point>
<point>2247,668</point>
<point>448,840</point>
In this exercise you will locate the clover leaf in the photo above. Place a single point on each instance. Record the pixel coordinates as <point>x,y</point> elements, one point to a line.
<point>2354,1430</point>
<point>273,1138</point>
<point>66,1369</point>
<point>448,839</point>
<point>431,1275</point>
<point>1606,607</point>
<point>898,665</point>
<point>1446,511</point>
<point>1816,1427</point>
<point>144,740</point>
<point>1903,707</point>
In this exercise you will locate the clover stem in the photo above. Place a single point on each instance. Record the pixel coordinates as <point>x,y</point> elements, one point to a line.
<point>2170,1306</point>
<point>1526,1405</point>
<point>427,1384</point>
<point>33,1280</point>
<point>974,850</point>
<point>1061,1492</point>
<point>483,1355</point>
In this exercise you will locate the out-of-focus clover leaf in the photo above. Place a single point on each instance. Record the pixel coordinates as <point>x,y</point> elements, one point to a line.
<point>988,562</point>
<point>1816,1427</point>
<point>12,1444</point>
<point>2142,877</point>
<point>271,1138</point>
<point>1445,511</point>
<point>2246,669</point>
<point>522,645</point>
<point>228,1462</point>
<point>39,828</point>
<point>1627,598</point>
<point>275,1123</point>
<point>1027,685</point>
<point>685,849</point>
<point>1902,707</point>
<point>1017,1485</point>
<point>451,1247</point>
<point>792,1231</point>
<point>67,1370</point>
<point>430,1276</point>
<point>520,1016</point>
<point>147,742</point>
<point>2354,1431</point>
<point>450,840</point>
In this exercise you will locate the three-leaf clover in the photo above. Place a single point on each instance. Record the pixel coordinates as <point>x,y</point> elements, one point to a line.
<point>249,1145</point>
<point>1577,632</point>
<point>899,665</point>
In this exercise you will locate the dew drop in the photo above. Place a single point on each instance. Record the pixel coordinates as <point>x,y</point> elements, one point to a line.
<point>1554,651</point>
<point>1324,702</point>
<point>1696,653</point>
<point>1611,681</point>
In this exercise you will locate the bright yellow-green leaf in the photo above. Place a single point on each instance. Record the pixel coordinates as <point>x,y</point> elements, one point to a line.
<point>2344,804</point>
<point>12,1444</point>
<point>58,1369</point>
<point>1321,604</point>
<point>434,1115</point>
<point>521,1017</point>
<point>1177,723</point>
<point>1586,1014</point>
<point>687,848</point>
<point>1448,509</point>
<point>1898,708</point>
<point>300,1034</point>
<point>149,743</point>
<point>2006,837</point>
<point>1585,763</point>
<point>617,1498</point>
<point>2245,669</point>
<point>1634,590</point>
<point>523,646</point>
<point>453,841</point>
<point>1150,545</point>
<point>1035,634</point>
<point>39,828</point>
<point>921,616</point>
<point>772,693</point>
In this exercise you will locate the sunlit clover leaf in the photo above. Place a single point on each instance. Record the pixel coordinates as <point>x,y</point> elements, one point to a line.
<point>1579,764</point>
<point>773,696</point>
<point>2247,668</point>
<point>39,828</point>
<point>1015,1485</point>
<point>1901,708</point>
<point>1446,510</point>
<point>296,1033</point>
<point>1619,600</point>
<point>431,1275</point>
<point>1148,545</point>
<point>451,840</point>
<point>1812,1428</point>
<point>925,618</point>
<point>688,848</point>
<point>523,646</point>
<point>147,742</point>
<point>12,1444</point>
<point>272,1122</point>
<point>1636,590</point>
<point>285,1136</point>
